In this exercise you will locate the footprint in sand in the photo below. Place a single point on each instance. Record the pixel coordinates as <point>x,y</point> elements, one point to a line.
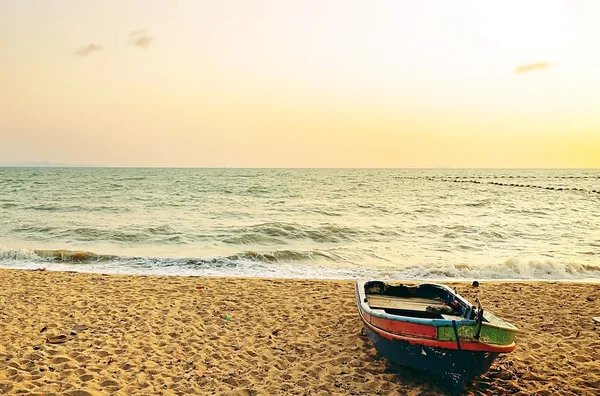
<point>109,384</point>
<point>86,377</point>
<point>79,393</point>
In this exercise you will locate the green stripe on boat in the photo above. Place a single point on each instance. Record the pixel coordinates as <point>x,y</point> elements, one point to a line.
<point>489,334</point>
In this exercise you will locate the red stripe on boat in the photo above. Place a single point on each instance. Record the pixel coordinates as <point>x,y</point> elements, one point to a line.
<point>464,345</point>
<point>402,328</point>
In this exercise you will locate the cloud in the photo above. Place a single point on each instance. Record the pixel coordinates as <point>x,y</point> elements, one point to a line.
<point>141,38</point>
<point>532,67</point>
<point>88,49</point>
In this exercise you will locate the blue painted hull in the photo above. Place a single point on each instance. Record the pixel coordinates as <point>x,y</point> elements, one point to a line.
<point>450,367</point>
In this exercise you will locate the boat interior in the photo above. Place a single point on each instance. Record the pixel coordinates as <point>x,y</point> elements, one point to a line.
<point>422,301</point>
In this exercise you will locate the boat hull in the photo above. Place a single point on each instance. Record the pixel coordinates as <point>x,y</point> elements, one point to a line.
<point>451,367</point>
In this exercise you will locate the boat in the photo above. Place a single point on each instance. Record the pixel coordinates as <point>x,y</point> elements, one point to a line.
<point>430,327</point>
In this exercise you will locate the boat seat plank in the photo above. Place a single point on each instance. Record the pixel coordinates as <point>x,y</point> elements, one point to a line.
<point>408,303</point>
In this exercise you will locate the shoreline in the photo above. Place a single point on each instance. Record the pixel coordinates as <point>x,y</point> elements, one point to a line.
<point>41,267</point>
<point>151,334</point>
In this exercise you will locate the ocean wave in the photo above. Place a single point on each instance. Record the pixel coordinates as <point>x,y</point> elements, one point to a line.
<point>269,233</point>
<point>105,208</point>
<point>258,189</point>
<point>88,234</point>
<point>329,213</point>
<point>518,268</point>
<point>250,239</point>
<point>31,229</point>
<point>160,234</point>
<point>65,255</point>
<point>46,207</point>
<point>292,264</point>
<point>283,256</point>
<point>77,208</point>
<point>292,231</point>
<point>161,230</point>
<point>21,255</point>
<point>480,204</point>
<point>134,178</point>
<point>60,255</point>
<point>373,207</point>
<point>72,256</point>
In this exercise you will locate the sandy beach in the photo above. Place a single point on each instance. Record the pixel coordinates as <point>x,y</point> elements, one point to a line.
<point>89,334</point>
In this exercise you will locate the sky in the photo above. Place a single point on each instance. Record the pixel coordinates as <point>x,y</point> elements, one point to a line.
<point>510,84</point>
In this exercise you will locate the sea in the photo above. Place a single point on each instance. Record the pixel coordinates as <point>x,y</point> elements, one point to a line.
<point>413,224</point>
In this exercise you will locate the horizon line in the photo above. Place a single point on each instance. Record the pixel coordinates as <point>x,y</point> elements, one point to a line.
<point>283,167</point>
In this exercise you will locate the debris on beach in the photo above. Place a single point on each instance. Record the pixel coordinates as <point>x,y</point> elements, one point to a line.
<point>59,339</point>
<point>44,329</point>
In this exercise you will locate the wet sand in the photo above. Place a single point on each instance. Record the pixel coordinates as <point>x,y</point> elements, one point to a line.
<point>152,335</point>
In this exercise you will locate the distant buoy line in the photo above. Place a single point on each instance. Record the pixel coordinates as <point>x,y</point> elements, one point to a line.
<point>466,179</point>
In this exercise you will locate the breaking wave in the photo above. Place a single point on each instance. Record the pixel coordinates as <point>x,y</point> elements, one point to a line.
<point>313,264</point>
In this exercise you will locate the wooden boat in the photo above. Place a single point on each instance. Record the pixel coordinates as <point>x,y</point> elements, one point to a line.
<point>430,327</point>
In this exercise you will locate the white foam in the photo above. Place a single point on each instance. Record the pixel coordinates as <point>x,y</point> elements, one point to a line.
<point>511,269</point>
<point>17,255</point>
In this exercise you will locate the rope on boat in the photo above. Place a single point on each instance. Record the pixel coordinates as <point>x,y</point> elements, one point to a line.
<point>479,319</point>
<point>456,335</point>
